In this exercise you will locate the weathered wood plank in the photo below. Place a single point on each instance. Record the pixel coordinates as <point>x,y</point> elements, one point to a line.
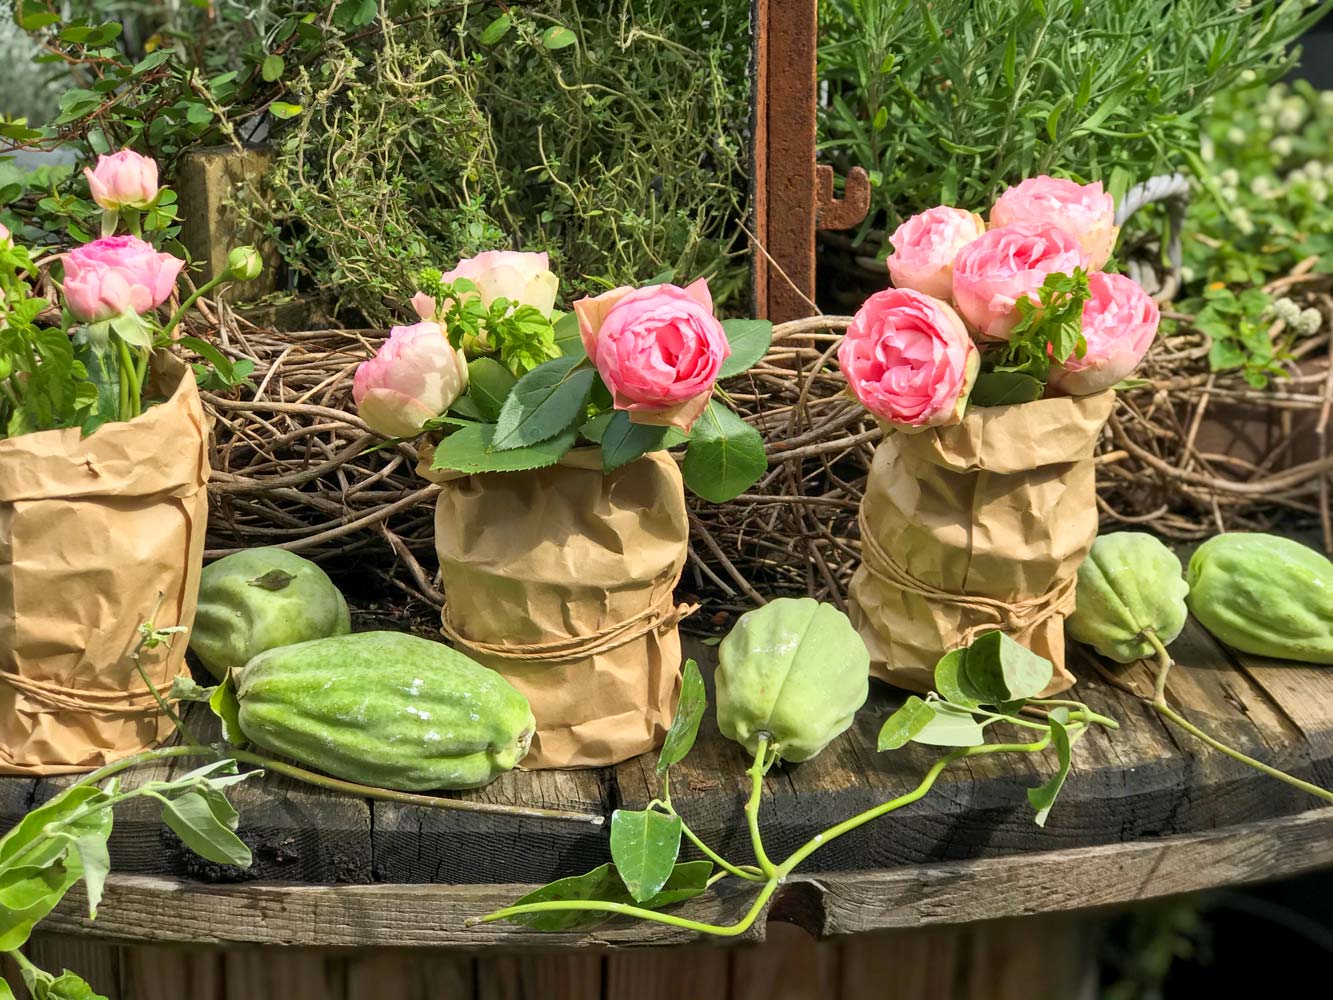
<point>541,977</point>
<point>146,908</point>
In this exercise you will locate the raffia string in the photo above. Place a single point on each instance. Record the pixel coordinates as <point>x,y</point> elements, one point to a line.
<point>1014,618</point>
<point>665,614</point>
<point>56,698</point>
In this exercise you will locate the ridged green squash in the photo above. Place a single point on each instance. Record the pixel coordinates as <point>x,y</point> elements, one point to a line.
<point>258,599</point>
<point>794,669</point>
<point>1129,583</point>
<point>385,709</point>
<point>1264,594</point>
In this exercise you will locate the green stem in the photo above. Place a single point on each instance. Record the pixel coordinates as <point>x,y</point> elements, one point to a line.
<point>1164,664</point>
<point>179,314</point>
<point>747,872</point>
<point>147,757</point>
<point>756,773</point>
<point>24,963</point>
<point>819,840</point>
<point>130,389</point>
<point>625,910</point>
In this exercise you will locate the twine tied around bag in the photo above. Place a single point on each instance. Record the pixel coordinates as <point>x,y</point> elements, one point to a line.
<point>54,698</point>
<point>663,615</point>
<point>1014,618</point>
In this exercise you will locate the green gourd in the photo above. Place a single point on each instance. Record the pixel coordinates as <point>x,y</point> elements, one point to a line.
<point>386,709</point>
<point>1264,594</point>
<point>794,669</point>
<point>258,599</point>
<point>1129,584</point>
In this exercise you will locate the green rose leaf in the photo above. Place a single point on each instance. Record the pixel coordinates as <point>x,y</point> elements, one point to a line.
<point>624,441</point>
<point>905,724</point>
<point>689,712</point>
<point>469,450</point>
<point>950,727</point>
<point>1005,389</point>
<point>489,384</point>
<point>725,456</point>
<point>544,402</point>
<point>1044,797</point>
<point>1002,670</point>
<point>688,879</point>
<point>749,340</point>
<point>644,847</point>
<point>568,340</point>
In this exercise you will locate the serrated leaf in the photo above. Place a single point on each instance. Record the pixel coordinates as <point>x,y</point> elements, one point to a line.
<point>568,340</point>
<point>557,37</point>
<point>1043,797</point>
<point>725,456</point>
<point>688,879</point>
<point>543,403</point>
<point>1003,670</point>
<point>489,385</point>
<point>274,579</point>
<point>749,340</point>
<point>644,846</point>
<point>624,441</point>
<point>950,727</point>
<point>469,450</point>
<point>903,725</point>
<point>689,712</point>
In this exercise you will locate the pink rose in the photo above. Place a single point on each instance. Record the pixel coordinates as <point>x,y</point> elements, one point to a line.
<point>413,378</point>
<point>925,246</point>
<point>1085,211</point>
<point>123,180</point>
<point>424,306</point>
<point>522,278</point>
<point>1119,323</point>
<point>118,274</point>
<point>4,237</point>
<point>997,269</point>
<point>909,360</point>
<point>658,349</point>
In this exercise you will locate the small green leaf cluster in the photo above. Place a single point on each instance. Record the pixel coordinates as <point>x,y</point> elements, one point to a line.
<point>506,423</point>
<point>1048,331</point>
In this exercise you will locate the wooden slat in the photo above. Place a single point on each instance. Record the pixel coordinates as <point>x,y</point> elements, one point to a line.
<point>667,974</point>
<point>402,975</point>
<point>540,977</point>
<point>147,908</point>
<point>171,973</point>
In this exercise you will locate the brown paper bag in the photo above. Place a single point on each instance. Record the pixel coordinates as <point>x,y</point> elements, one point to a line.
<point>91,530</point>
<point>561,579</point>
<point>978,526</point>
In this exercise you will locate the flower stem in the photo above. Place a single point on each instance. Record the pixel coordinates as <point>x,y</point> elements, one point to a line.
<point>179,314</point>
<point>1164,664</point>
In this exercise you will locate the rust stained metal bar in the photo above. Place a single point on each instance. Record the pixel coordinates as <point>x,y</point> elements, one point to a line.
<point>793,196</point>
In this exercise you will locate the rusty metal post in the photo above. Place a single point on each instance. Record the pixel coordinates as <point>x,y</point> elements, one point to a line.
<point>792,195</point>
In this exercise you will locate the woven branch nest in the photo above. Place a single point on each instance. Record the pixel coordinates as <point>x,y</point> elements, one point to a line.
<point>1195,452</point>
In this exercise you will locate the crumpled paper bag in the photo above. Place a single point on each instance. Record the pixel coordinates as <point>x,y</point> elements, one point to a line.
<point>91,530</point>
<point>561,579</point>
<point>973,527</point>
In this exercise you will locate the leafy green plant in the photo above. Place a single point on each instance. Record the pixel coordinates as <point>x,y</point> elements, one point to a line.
<point>991,682</point>
<point>948,101</point>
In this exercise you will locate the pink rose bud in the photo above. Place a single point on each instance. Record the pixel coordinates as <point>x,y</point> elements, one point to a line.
<point>424,306</point>
<point>924,248</point>
<point>997,269</point>
<point>658,349</point>
<point>413,378</point>
<point>1085,211</point>
<point>5,241</point>
<point>118,274</point>
<point>123,180</point>
<point>522,278</point>
<point>1119,323</point>
<point>909,360</point>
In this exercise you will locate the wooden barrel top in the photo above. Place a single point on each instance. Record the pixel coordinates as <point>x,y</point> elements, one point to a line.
<point>1145,812</point>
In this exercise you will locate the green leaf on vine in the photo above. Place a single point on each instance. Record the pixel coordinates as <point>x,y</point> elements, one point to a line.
<point>1043,797</point>
<point>905,724</point>
<point>689,712</point>
<point>644,847</point>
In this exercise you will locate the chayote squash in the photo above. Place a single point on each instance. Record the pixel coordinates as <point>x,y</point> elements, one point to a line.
<point>262,598</point>
<point>1264,594</point>
<point>794,669</point>
<point>1129,583</point>
<point>385,709</point>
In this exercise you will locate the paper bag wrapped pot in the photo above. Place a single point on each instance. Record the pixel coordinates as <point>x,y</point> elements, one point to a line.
<point>974,527</point>
<point>561,579</point>
<point>92,529</point>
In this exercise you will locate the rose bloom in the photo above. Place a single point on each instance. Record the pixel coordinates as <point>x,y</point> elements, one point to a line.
<point>1119,323</point>
<point>997,269</point>
<point>522,278</point>
<point>925,246</point>
<point>118,274</point>
<point>658,349</point>
<point>415,376</point>
<point>123,180</point>
<point>1085,211</point>
<point>4,237</point>
<point>909,360</point>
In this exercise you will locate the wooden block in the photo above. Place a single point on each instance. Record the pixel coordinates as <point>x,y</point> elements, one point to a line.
<point>210,182</point>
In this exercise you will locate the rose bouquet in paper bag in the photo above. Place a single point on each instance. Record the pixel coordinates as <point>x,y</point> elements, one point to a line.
<point>992,365</point>
<point>103,461</point>
<point>561,526</point>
